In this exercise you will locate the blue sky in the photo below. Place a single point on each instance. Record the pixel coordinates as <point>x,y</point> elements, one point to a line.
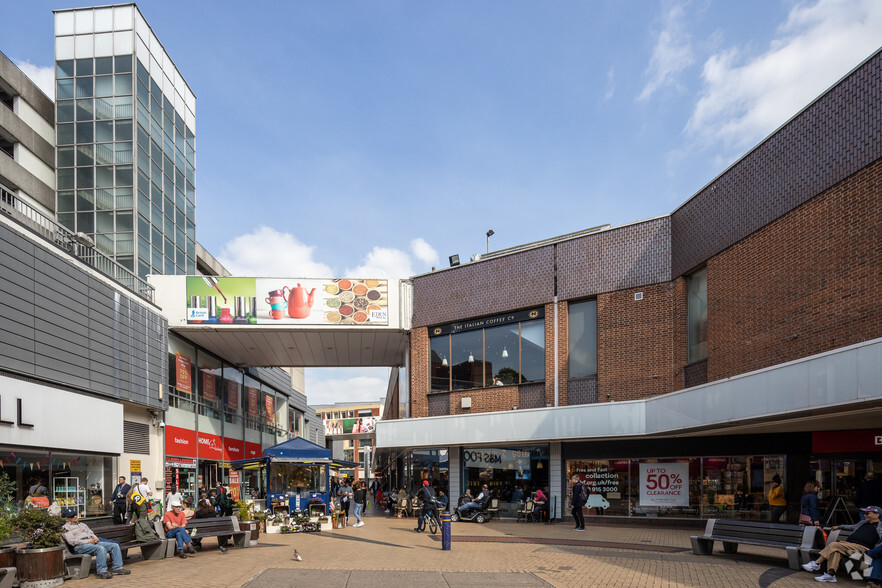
<point>377,138</point>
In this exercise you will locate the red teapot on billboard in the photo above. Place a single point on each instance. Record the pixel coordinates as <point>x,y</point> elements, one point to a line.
<point>299,301</point>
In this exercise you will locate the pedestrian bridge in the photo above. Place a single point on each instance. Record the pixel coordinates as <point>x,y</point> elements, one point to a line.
<point>283,322</point>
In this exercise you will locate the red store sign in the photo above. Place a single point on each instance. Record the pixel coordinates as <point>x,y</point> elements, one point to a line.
<point>180,442</point>
<point>210,447</point>
<point>252,450</point>
<point>233,449</point>
<point>860,441</point>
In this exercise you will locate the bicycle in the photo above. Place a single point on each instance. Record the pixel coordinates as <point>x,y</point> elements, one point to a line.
<point>434,521</point>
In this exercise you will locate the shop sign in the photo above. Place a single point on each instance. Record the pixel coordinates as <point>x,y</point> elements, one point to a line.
<point>183,378</point>
<point>234,485</point>
<point>180,441</point>
<point>232,394</point>
<point>135,465</point>
<point>178,462</point>
<point>346,302</point>
<point>599,479</point>
<point>268,402</point>
<point>233,449</point>
<point>252,401</point>
<point>490,321</point>
<point>252,450</point>
<point>209,384</point>
<point>28,422</point>
<point>664,484</point>
<point>502,459</point>
<point>210,446</point>
<point>859,441</point>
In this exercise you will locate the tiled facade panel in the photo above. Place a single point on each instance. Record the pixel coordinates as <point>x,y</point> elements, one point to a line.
<point>493,286</point>
<point>613,260</point>
<point>60,324</point>
<point>807,283</point>
<point>635,344</point>
<point>831,139</point>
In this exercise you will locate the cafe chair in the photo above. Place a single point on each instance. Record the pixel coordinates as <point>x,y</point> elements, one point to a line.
<point>526,511</point>
<point>401,507</point>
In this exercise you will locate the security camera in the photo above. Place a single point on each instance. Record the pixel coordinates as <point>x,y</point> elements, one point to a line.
<point>161,424</point>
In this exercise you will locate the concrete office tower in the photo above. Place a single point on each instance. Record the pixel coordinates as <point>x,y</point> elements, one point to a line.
<point>125,140</point>
<point>27,142</point>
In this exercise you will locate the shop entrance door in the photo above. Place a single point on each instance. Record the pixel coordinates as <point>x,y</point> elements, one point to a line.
<point>209,474</point>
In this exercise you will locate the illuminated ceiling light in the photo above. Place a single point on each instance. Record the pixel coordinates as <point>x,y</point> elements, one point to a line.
<point>504,352</point>
<point>444,361</point>
<point>471,358</point>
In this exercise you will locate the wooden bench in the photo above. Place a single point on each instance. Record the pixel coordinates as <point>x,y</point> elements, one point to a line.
<point>125,536</point>
<point>223,528</point>
<point>795,539</point>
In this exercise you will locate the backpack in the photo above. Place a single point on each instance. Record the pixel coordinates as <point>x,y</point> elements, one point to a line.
<point>583,493</point>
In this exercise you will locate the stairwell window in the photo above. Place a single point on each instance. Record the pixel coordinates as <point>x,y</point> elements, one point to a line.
<point>696,311</point>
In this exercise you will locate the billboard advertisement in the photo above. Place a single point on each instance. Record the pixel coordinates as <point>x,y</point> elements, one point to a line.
<point>347,426</point>
<point>286,301</point>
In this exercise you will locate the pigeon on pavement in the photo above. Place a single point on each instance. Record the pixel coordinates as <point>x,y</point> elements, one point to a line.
<point>297,556</point>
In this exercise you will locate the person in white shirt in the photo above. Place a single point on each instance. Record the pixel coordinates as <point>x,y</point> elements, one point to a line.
<point>172,496</point>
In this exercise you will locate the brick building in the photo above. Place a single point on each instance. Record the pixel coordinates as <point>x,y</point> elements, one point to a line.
<point>736,338</point>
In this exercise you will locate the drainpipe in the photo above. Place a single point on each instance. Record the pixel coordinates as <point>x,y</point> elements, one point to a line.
<point>556,359</point>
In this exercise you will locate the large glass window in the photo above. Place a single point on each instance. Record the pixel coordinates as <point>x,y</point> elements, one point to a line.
<point>583,339</point>
<point>505,354</point>
<point>696,310</point>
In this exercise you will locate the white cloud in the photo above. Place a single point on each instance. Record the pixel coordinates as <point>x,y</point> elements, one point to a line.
<point>43,77</point>
<point>424,252</point>
<point>384,262</point>
<point>747,97</point>
<point>672,53</point>
<point>330,385</point>
<point>267,252</point>
<point>610,84</point>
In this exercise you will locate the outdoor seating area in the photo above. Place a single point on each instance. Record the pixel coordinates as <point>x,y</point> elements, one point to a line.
<point>796,540</point>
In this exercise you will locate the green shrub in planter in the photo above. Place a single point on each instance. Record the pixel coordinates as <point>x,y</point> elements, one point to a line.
<point>246,510</point>
<point>37,527</point>
<point>7,509</point>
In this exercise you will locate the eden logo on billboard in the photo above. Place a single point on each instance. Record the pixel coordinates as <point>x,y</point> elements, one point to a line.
<point>197,314</point>
<point>378,316</point>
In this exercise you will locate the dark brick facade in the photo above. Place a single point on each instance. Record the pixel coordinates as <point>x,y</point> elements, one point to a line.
<point>791,236</point>
<point>831,139</point>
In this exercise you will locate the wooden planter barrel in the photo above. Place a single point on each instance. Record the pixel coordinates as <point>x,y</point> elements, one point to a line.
<point>44,567</point>
<point>253,527</point>
<point>7,557</point>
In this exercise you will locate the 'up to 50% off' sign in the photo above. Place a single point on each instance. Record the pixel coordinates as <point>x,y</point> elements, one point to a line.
<point>664,484</point>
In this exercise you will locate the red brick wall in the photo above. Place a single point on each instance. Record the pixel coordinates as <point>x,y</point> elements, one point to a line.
<point>635,343</point>
<point>809,282</point>
<point>419,372</point>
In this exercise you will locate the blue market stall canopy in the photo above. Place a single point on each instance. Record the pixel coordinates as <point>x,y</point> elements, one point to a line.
<point>296,450</point>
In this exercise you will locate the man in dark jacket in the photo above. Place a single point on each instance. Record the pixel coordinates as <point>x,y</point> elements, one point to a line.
<point>427,508</point>
<point>118,498</point>
<point>579,499</point>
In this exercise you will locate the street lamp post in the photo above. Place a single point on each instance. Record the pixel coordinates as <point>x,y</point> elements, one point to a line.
<point>489,234</point>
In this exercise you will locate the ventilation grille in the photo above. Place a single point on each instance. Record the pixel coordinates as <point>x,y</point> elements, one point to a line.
<point>136,438</point>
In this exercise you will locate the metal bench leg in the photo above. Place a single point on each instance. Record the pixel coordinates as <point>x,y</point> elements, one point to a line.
<point>729,547</point>
<point>702,546</point>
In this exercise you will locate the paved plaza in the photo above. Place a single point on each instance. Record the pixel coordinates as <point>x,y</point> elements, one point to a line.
<point>387,552</point>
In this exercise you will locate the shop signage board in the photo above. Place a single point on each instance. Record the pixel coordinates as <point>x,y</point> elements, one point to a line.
<point>490,321</point>
<point>252,450</point>
<point>858,441</point>
<point>209,385</point>
<point>234,449</point>
<point>287,301</point>
<point>183,378</point>
<point>234,485</point>
<point>210,446</point>
<point>180,442</point>
<point>29,422</point>
<point>664,484</point>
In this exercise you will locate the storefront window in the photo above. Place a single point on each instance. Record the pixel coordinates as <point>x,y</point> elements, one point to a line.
<point>511,474</point>
<point>440,363</point>
<point>709,487</point>
<point>428,464</point>
<point>493,351</point>
<point>297,480</point>
<point>468,360</point>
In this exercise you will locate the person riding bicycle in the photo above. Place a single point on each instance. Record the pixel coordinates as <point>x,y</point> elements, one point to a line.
<point>428,509</point>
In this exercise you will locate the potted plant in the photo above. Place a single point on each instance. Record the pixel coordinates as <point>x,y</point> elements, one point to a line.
<point>246,520</point>
<point>42,559</point>
<point>325,523</point>
<point>7,552</point>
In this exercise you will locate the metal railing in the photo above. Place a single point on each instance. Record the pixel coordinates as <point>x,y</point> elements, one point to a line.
<point>46,227</point>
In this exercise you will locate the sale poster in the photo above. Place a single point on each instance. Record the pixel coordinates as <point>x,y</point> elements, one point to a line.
<point>183,379</point>
<point>664,484</point>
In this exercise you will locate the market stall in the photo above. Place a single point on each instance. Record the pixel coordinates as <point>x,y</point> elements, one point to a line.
<point>297,474</point>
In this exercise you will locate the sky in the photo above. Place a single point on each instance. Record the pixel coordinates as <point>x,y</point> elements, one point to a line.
<point>376,138</point>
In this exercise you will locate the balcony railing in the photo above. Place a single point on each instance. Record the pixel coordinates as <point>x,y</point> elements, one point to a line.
<point>62,237</point>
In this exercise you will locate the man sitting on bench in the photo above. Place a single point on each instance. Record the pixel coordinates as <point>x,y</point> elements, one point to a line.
<point>81,538</point>
<point>175,522</point>
<point>865,535</point>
